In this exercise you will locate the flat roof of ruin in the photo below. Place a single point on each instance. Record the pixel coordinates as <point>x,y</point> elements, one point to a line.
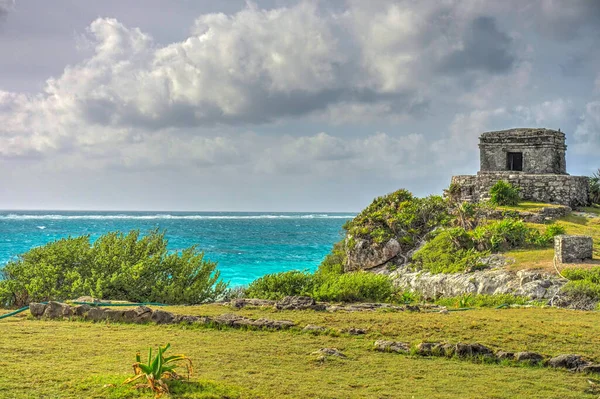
<point>524,131</point>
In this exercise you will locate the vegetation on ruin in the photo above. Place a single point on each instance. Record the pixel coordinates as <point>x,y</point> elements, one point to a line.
<point>504,193</point>
<point>118,266</point>
<point>233,363</point>
<point>595,187</point>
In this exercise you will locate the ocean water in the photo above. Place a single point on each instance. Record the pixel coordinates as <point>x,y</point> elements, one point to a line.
<point>245,245</point>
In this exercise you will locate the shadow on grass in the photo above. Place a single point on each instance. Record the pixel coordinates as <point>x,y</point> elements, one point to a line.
<point>112,387</point>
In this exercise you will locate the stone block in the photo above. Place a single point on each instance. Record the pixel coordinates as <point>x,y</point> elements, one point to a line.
<point>573,249</point>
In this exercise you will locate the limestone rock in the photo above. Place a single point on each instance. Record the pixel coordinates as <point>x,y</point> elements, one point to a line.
<point>356,331</point>
<point>428,348</point>
<point>37,309</point>
<point>56,310</point>
<point>87,299</point>
<point>502,355</point>
<point>298,303</point>
<point>81,310</point>
<point>531,284</point>
<point>162,317</point>
<point>591,368</point>
<point>312,327</point>
<point>571,362</point>
<point>366,254</point>
<point>530,357</point>
<point>472,350</point>
<point>96,314</point>
<point>329,352</point>
<point>392,346</point>
<point>243,302</point>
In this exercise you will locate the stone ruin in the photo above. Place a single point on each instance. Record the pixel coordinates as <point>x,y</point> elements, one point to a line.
<point>573,249</point>
<point>532,159</point>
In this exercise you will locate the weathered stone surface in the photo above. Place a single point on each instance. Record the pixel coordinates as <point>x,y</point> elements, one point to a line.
<point>543,150</point>
<point>186,319</point>
<point>356,331</point>
<point>531,284</point>
<point>428,348</point>
<point>472,350</point>
<point>502,355</point>
<point>162,317</point>
<point>544,215</point>
<point>233,320</point>
<point>96,314</point>
<point>56,310</point>
<point>367,254</point>
<point>392,346</point>
<point>298,303</point>
<point>87,299</point>
<point>140,314</point>
<point>80,310</point>
<point>312,327</point>
<point>114,315</point>
<point>37,309</point>
<point>591,368</point>
<point>572,248</point>
<point>572,191</point>
<point>244,302</point>
<point>329,352</point>
<point>571,362</point>
<point>530,357</point>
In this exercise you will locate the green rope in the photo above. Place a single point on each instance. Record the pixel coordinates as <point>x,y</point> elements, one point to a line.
<point>15,312</point>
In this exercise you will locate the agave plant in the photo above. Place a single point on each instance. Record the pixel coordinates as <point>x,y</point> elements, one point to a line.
<point>158,369</point>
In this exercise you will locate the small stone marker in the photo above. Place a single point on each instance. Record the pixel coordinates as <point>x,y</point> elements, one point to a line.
<point>572,249</point>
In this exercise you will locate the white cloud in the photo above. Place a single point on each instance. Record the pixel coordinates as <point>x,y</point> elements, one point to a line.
<point>587,133</point>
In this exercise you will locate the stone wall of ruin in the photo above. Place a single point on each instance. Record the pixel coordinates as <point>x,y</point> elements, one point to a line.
<point>567,190</point>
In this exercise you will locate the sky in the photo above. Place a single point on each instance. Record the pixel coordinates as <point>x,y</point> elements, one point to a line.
<point>280,105</point>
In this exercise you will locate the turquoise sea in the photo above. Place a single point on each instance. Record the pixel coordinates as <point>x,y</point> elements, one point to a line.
<point>246,245</point>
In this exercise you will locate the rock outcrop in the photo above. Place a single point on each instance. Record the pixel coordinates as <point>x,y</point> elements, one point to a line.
<point>366,254</point>
<point>532,284</point>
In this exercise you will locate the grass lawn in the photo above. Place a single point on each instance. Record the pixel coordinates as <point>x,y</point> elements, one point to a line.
<point>527,206</point>
<point>74,359</point>
<point>542,258</point>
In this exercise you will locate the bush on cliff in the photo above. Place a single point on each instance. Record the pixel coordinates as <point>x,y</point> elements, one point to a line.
<point>450,251</point>
<point>116,266</point>
<point>399,215</point>
<point>323,286</point>
<point>504,193</point>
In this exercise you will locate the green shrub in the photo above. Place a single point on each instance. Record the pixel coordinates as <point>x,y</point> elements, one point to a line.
<point>347,287</point>
<point>505,234</point>
<point>399,215</point>
<point>450,251</point>
<point>334,261</point>
<point>117,266</point>
<point>279,285</point>
<point>579,288</point>
<point>504,193</point>
<point>353,287</point>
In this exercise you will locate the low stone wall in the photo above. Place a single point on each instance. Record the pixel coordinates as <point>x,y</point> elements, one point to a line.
<point>567,190</point>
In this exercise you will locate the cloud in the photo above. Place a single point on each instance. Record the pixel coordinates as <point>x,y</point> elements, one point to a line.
<point>483,47</point>
<point>564,20</point>
<point>587,134</point>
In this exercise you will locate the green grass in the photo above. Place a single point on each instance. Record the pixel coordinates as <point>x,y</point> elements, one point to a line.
<point>542,258</point>
<point>74,359</point>
<point>527,206</point>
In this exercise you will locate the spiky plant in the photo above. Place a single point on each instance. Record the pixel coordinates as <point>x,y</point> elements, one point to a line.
<point>158,369</point>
